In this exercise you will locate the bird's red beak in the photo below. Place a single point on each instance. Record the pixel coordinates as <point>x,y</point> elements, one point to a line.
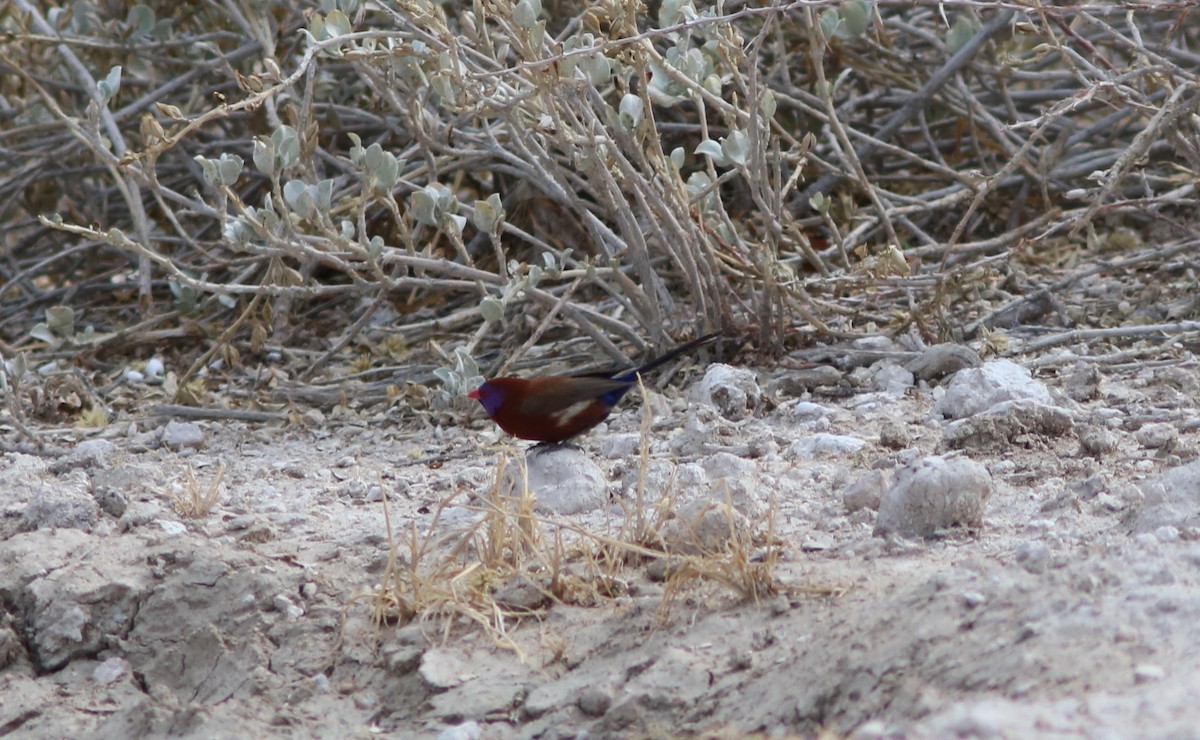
<point>474,394</point>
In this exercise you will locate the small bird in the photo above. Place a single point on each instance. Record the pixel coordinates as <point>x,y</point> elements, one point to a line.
<point>556,408</point>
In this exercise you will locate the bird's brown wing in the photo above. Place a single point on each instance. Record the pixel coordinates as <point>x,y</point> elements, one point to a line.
<point>548,398</point>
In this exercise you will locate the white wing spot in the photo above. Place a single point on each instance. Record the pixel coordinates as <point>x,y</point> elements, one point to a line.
<point>566,416</point>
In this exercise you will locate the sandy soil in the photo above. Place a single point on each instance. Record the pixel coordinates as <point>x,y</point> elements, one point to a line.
<point>1070,610</point>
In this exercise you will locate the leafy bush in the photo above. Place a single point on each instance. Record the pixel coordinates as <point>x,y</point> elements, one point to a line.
<point>282,174</point>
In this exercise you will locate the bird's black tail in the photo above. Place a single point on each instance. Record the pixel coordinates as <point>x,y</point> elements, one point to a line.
<point>656,362</point>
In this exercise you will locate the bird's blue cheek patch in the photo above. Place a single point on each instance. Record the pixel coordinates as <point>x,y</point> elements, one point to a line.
<point>491,401</point>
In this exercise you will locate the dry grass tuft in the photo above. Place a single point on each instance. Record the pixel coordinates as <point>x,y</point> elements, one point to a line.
<point>736,566</point>
<point>490,574</point>
<point>197,501</point>
<point>511,564</point>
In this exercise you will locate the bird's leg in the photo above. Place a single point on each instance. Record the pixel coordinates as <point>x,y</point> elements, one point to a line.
<point>542,448</point>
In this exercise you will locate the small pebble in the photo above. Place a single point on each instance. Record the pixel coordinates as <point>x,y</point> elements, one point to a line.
<point>171,528</point>
<point>469,730</point>
<point>1097,441</point>
<point>1166,533</point>
<point>594,701</point>
<point>283,604</point>
<point>109,671</point>
<point>973,599</point>
<point>894,436</point>
<point>179,435</point>
<point>933,494</point>
<point>1148,673</point>
<point>365,700</point>
<point>733,391</point>
<point>1157,436</point>
<point>1033,556</point>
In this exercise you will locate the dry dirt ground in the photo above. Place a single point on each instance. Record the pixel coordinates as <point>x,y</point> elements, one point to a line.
<point>1070,609</point>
